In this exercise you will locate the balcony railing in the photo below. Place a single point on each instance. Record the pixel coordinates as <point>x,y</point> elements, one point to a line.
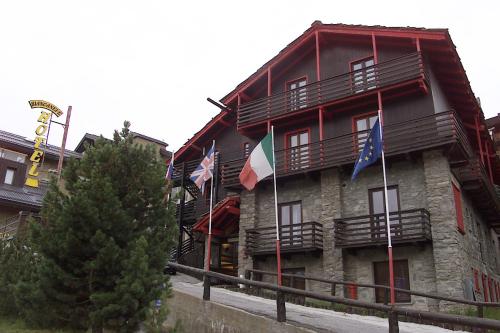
<point>304,237</point>
<point>395,71</point>
<point>188,213</point>
<point>407,226</point>
<point>437,130</point>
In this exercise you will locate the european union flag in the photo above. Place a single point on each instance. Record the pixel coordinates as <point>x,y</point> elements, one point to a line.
<point>371,150</point>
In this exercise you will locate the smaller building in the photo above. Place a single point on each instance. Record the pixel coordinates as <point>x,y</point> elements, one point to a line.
<point>138,138</point>
<point>17,200</point>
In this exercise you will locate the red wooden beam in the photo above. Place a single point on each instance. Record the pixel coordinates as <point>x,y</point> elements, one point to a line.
<point>374,45</point>
<point>318,74</point>
<point>427,35</point>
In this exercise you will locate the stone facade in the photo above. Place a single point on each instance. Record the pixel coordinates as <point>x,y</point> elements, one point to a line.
<point>443,266</point>
<point>248,220</point>
<point>445,236</point>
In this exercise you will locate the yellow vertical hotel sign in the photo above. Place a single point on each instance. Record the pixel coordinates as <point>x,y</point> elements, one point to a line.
<point>41,137</point>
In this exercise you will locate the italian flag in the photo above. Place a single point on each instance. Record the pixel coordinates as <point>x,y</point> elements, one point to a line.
<point>259,164</point>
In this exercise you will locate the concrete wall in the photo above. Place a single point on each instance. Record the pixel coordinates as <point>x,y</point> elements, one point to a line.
<point>196,315</point>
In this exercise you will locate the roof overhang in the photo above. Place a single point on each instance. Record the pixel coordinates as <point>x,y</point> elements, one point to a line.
<point>225,218</point>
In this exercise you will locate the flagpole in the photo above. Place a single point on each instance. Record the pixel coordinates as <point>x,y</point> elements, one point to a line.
<point>278,250</point>
<point>387,218</point>
<point>209,250</point>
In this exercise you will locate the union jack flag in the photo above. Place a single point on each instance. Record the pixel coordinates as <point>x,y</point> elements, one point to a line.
<point>205,170</point>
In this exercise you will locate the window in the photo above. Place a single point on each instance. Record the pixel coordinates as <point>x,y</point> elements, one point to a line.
<point>298,153</point>
<point>363,75</point>
<point>246,149</point>
<point>9,176</point>
<point>458,208</point>
<point>298,94</point>
<point>290,220</point>
<point>362,127</point>
<point>377,210</point>
<point>401,280</point>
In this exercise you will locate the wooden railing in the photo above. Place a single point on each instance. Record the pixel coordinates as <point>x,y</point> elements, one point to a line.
<point>230,171</point>
<point>189,211</point>
<point>9,227</point>
<point>395,71</point>
<point>303,237</point>
<point>436,130</point>
<point>392,312</point>
<point>370,230</point>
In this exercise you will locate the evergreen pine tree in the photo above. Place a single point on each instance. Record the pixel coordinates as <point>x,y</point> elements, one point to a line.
<point>107,237</point>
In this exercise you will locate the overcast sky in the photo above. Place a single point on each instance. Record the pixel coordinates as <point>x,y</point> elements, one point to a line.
<point>154,63</point>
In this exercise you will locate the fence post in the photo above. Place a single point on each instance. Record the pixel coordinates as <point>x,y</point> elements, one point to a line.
<point>334,289</point>
<point>280,307</point>
<point>393,321</point>
<point>480,311</point>
<point>386,296</point>
<point>206,287</point>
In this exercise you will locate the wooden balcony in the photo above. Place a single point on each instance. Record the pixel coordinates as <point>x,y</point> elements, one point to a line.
<point>407,226</point>
<point>385,75</point>
<point>437,130</point>
<point>476,182</point>
<point>297,238</point>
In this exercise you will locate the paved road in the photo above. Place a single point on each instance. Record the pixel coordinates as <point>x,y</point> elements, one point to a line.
<point>319,320</point>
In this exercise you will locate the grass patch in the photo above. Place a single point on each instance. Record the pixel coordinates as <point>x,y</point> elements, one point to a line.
<point>14,325</point>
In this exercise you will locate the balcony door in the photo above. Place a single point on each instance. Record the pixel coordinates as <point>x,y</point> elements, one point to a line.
<point>290,220</point>
<point>377,210</point>
<point>363,75</point>
<point>298,94</point>
<point>298,150</point>
<point>363,125</point>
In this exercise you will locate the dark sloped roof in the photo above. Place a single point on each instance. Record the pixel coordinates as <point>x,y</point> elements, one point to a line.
<point>23,196</point>
<point>148,138</point>
<point>13,141</point>
<point>91,138</point>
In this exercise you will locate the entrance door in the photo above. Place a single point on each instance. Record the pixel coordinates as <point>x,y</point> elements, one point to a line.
<point>401,280</point>
<point>290,219</point>
<point>229,257</point>
<point>377,210</point>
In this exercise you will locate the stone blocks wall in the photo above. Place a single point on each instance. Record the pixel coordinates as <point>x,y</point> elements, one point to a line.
<point>445,236</point>
<point>248,220</point>
<point>358,265</point>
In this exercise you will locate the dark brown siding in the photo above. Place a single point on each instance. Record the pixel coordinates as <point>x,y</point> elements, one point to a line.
<point>335,58</point>
<point>305,68</point>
